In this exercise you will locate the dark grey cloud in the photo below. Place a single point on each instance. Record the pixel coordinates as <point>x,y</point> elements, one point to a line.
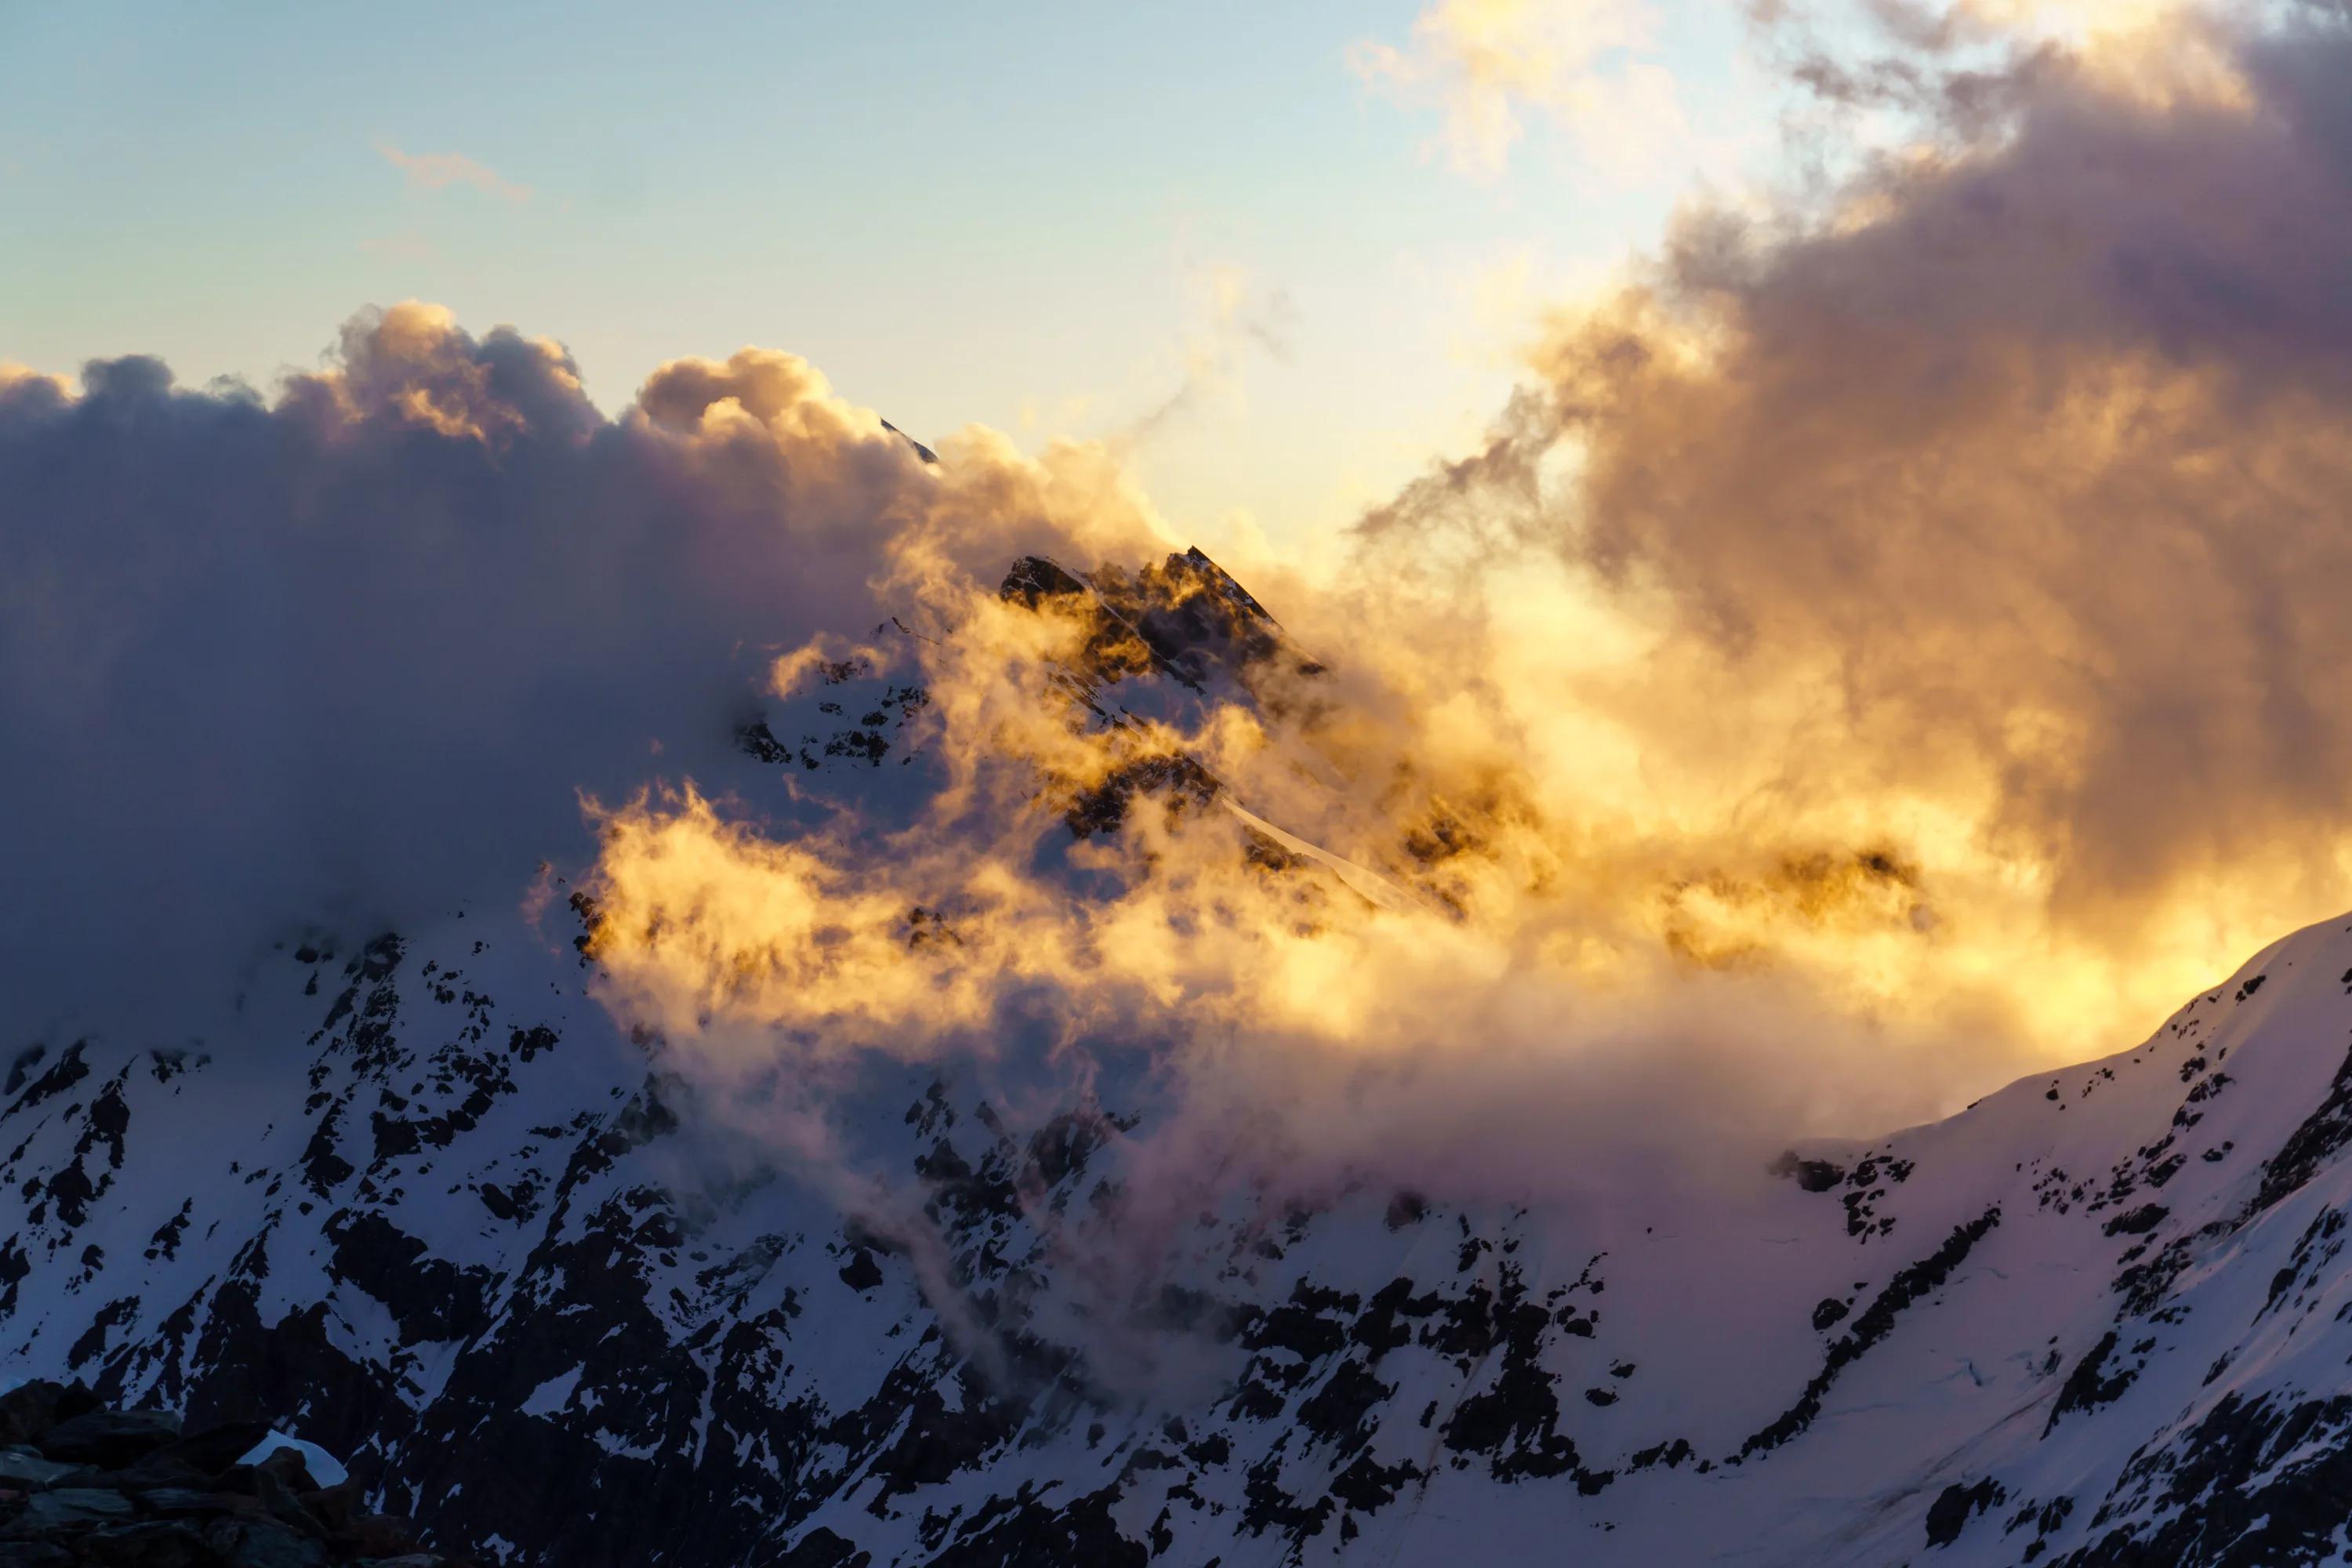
<point>345,659</point>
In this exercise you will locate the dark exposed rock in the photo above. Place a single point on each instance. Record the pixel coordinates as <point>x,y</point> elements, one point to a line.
<point>1337,1411</point>
<point>2136,1222</point>
<point>861,1273</point>
<point>164,1543</point>
<point>1368,1488</point>
<point>430,1298</point>
<point>215,1448</point>
<point>1180,780</point>
<point>2322,1134</point>
<point>2086,1388</point>
<point>65,1510</point>
<point>820,1548</point>
<point>1270,1506</point>
<point>1954,1506</point>
<point>1406,1208</point>
<point>1813,1175</point>
<point>28,1410</point>
<point>1024,1529</point>
<point>1873,1326</point>
<point>24,1472</point>
<point>110,1440</point>
<point>2255,1482</point>
<point>34,1554</point>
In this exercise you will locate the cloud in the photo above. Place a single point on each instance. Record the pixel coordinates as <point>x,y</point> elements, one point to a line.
<point>349,658</point>
<point>439,171</point>
<point>1891,644</point>
<point>1239,317</point>
<point>1283,912</point>
<point>1986,519</point>
<point>1877,653</point>
<point>1484,64</point>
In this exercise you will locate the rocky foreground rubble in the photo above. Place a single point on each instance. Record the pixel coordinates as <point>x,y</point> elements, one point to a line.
<point>83,1484</point>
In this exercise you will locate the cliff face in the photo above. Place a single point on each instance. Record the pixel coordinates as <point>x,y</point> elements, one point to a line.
<point>440,1215</point>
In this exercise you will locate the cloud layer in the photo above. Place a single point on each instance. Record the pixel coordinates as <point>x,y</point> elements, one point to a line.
<point>353,656</point>
<point>1994,519</point>
<point>1907,629</point>
<point>1891,645</point>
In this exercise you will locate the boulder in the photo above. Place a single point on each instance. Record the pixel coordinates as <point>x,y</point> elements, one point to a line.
<point>288,1466</point>
<point>25,1470</point>
<point>166,1544</point>
<point>377,1536</point>
<point>215,1448</point>
<point>334,1507</point>
<point>128,1490</point>
<point>63,1508</point>
<point>110,1440</point>
<point>153,1470</point>
<point>28,1410</point>
<point>186,1502</point>
<point>285,1506</point>
<point>34,1554</point>
<point>77,1399</point>
<point>263,1546</point>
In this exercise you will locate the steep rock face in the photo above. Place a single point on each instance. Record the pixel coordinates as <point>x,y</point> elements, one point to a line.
<point>437,1212</point>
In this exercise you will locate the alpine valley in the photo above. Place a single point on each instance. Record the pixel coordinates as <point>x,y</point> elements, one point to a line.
<point>439,1213</point>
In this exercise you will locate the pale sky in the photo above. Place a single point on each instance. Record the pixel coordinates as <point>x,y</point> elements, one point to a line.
<point>1288,269</point>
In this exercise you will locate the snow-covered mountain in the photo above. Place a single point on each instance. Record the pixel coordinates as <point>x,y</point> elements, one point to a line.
<point>438,1212</point>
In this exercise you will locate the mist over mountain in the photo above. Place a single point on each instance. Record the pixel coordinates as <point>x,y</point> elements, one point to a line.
<point>570,1291</point>
<point>724,985</point>
<point>337,660</point>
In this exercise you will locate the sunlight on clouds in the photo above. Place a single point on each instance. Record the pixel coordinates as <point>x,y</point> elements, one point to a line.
<point>1596,69</point>
<point>1483,63</point>
<point>1882,639</point>
<point>1868,656</point>
<point>2158,53</point>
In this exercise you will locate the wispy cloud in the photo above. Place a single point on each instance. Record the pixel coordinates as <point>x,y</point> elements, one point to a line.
<point>439,171</point>
<point>1240,316</point>
<point>1482,64</point>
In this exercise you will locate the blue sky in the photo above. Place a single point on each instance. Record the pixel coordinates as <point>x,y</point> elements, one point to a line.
<point>1049,219</point>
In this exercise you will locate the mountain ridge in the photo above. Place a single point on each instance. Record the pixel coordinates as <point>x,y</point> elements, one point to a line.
<point>443,1212</point>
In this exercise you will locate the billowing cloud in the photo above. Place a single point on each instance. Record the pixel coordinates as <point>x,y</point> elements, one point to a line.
<point>1911,632</point>
<point>439,171</point>
<point>1991,521</point>
<point>352,657</point>
<point>1892,644</point>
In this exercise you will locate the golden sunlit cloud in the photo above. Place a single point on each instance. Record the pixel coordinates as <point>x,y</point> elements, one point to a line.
<point>1928,638</point>
<point>1484,64</point>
